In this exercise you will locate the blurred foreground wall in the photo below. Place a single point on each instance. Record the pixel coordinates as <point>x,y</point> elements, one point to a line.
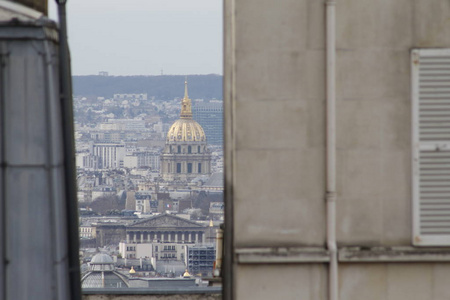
<point>275,119</point>
<point>33,226</point>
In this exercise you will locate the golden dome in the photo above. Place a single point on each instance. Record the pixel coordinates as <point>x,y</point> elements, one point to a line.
<point>186,129</point>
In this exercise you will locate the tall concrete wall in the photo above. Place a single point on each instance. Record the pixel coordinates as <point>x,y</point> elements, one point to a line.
<point>275,148</point>
<point>278,177</point>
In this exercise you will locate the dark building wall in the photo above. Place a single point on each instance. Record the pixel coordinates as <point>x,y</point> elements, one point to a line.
<point>210,117</point>
<point>200,260</point>
<point>109,234</point>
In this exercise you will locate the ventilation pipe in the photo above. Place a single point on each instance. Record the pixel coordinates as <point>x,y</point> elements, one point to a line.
<point>331,148</point>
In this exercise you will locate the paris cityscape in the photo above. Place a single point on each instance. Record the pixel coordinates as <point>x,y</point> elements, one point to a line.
<point>224,150</point>
<point>150,187</point>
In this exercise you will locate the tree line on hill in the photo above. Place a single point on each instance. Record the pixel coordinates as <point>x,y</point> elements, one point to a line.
<point>164,87</point>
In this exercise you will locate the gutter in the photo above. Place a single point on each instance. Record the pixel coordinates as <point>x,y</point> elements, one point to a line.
<point>331,148</point>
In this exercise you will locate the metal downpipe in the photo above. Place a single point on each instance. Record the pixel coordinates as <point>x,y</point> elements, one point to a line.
<point>331,147</point>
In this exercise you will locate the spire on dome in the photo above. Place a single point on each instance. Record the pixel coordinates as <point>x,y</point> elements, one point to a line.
<point>186,107</point>
<point>185,89</point>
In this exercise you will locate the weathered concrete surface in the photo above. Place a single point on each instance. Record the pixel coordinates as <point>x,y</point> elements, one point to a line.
<point>279,113</point>
<point>275,117</point>
<point>373,122</point>
<point>288,282</point>
<point>394,281</point>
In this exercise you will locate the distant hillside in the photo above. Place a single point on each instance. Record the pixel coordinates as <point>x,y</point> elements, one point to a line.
<point>164,87</point>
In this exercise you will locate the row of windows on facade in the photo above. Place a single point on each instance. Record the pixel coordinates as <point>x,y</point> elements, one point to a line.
<point>201,252</point>
<point>201,263</point>
<point>189,167</point>
<point>180,149</point>
<point>166,248</point>
<point>169,257</point>
<point>202,257</point>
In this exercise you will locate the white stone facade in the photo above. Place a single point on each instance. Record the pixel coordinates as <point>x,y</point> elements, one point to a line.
<point>111,155</point>
<point>157,251</point>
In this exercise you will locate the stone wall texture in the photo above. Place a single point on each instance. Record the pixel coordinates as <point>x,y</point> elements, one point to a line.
<point>275,118</point>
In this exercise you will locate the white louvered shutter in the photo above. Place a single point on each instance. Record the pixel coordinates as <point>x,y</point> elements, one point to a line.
<point>431,146</point>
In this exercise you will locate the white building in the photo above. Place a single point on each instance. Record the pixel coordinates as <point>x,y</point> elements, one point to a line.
<point>130,161</point>
<point>143,201</point>
<point>156,251</point>
<point>85,232</point>
<point>111,155</point>
<point>130,96</point>
<point>86,160</point>
<point>142,159</point>
<point>123,124</point>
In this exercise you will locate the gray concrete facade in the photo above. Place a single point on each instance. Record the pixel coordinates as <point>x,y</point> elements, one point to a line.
<point>33,212</point>
<point>275,119</point>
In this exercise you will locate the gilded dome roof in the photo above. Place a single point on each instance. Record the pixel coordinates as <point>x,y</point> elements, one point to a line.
<point>186,129</point>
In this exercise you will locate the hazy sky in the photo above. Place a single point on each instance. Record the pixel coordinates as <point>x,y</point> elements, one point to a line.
<point>141,37</point>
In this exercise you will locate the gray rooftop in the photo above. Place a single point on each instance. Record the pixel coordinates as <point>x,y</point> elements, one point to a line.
<point>216,180</point>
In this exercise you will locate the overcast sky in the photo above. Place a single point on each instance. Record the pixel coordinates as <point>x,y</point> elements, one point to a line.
<point>143,37</point>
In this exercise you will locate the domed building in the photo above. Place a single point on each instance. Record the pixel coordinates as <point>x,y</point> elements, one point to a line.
<point>185,155</point>
<point>103,274</point>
